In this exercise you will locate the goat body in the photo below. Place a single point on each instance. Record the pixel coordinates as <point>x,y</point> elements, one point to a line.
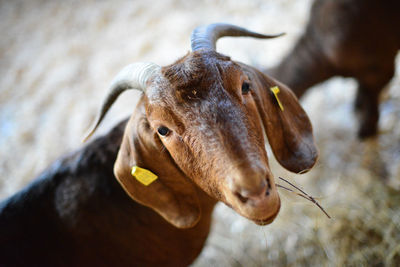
<point>198,127</point>
<point>351,38</point>
<point>76,213</point>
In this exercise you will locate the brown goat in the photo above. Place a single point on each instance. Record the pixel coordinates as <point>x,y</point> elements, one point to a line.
<point>199,128</point>
<point>351,38</point>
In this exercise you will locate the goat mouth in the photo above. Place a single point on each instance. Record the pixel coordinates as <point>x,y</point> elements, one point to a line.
<point>269,219</point>
<point>266,221</point>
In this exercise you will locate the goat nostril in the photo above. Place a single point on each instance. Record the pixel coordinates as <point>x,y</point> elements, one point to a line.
<point>241,198</point>
<point>245,195</point>
<point>269,184</point>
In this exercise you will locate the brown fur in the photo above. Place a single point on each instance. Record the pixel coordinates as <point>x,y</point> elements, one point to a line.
<point>351,38</point>
<point>77,214</point>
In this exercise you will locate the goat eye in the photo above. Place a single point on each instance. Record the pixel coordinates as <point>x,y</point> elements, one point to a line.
<point>245,88</point>
<point>163,130</point>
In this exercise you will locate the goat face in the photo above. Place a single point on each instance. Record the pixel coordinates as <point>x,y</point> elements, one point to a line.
<point>201,122</point>
<point>208,121</point>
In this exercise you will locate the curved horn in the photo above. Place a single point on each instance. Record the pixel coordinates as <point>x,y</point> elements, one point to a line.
<point>133,76</point>
<point>205,37</point>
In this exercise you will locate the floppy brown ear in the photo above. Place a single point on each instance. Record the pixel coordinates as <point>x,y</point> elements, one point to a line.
<point>289,130</point>
<point>172,195</point>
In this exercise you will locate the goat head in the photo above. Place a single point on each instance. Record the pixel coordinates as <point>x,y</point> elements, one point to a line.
<point>200,124</point>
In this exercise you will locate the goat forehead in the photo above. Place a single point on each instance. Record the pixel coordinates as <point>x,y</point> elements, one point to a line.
<point>208,97</point>
<point>197,70</point>
<point>215,105</point>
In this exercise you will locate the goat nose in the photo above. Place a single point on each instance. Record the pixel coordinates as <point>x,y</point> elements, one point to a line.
<point>255,192</point>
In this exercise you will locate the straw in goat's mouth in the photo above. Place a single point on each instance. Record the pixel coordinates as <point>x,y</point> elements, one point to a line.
<point>302,194</point>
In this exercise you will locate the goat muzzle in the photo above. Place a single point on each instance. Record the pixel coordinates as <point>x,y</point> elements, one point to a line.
<point>255,197</point>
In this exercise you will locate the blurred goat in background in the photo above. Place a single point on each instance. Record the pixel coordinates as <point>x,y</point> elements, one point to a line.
<point>351,38</point>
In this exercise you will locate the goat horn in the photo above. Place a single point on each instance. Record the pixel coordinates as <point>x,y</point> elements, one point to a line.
<point>133,76</point>
<point>205,37</point>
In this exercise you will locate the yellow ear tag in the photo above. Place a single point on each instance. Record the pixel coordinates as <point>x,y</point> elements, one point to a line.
<point>144,176</point>
<point>276,90</point>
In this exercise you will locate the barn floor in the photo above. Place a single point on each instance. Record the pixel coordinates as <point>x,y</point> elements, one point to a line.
<point>57,58</point>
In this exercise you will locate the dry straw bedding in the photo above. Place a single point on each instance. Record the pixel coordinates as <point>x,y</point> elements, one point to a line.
<point>57,58</point>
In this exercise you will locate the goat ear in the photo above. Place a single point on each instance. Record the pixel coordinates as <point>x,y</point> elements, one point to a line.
<point>289,130</point>
<point>172,195</point>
